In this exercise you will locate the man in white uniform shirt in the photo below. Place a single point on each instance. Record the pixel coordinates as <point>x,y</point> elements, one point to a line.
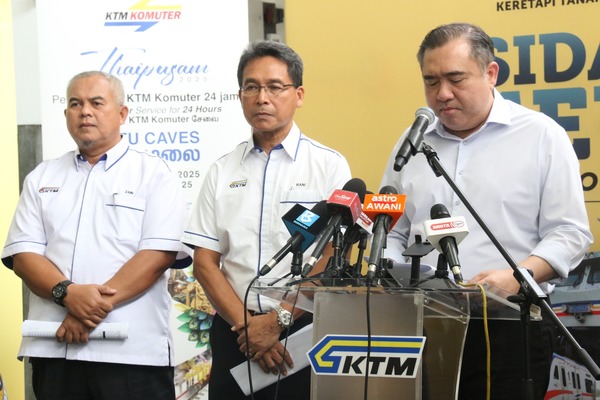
<point>236,225</point>
<point>92,237</point>
<point>519,170</point>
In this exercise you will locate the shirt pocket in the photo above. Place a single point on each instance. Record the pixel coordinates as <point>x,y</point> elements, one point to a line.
<point>306,198</point>
<point>126,214</point>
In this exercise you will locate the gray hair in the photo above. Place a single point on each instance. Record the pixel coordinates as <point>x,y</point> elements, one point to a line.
<point>482,46</point>
<point>278,50</point>
<point>115,83</point>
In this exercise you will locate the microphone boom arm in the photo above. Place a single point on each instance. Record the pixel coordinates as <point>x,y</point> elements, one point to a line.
<point>529,289</point>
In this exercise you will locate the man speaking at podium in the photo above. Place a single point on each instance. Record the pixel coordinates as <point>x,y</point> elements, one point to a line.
<point>236,224</point>
<point>518,169</point>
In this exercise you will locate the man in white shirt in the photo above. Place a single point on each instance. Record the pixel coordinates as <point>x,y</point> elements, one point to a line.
<point>518,169</point>
<point>236,225</point>
<point>92,237</point>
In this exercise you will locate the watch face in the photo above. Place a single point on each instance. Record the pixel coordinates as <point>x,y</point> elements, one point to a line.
<point>58,291</point>
<point>285,319</point>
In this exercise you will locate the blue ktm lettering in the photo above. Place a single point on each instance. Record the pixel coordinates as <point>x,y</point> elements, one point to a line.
<point>183,137</point>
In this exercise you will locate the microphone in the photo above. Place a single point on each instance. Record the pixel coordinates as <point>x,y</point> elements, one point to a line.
<point>445,233</point>
<point>362,227</point>
<point>384,209</point>
<point>414,140</point>
<point>345,208</point>
<point>304,225</point>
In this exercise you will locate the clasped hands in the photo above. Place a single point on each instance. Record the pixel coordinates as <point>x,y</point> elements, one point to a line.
<point>87,306</point>
<point>265,348</point>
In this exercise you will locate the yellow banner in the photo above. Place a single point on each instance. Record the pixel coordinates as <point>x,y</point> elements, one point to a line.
<point>363,83</point>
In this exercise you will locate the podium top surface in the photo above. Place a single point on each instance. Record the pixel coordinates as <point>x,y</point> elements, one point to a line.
<point>458,300</point>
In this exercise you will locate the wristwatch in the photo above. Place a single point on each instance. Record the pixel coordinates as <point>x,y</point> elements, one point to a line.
<point>59,292</point>
<point>284,317</point>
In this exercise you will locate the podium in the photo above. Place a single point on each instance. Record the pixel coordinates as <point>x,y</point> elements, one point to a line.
<point>399,318</point>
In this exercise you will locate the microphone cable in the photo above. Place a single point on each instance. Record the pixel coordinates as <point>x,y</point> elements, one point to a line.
<point>247,340</point>
<point>368,315</point>
<point>486,332</point>
<point>285,342</point>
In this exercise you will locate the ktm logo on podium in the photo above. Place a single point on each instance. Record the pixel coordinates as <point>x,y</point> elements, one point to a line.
<point>390,356</point>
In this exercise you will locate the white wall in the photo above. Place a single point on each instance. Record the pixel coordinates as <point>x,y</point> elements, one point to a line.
<point>27,76</point>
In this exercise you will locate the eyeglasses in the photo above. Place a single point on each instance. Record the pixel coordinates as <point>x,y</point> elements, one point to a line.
<point>272,89</point>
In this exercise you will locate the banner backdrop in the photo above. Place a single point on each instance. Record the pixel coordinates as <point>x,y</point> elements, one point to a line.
<point>178,63</point>
<point>365,81</point>
<point>555,69</point>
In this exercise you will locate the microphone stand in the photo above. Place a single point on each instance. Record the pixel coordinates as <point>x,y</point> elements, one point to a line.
<point>382,275</point>
<point>335,264</point>
<point>295,268</point>
<point>529,291</point>
<point>356,269</point>
<point>415,252</point>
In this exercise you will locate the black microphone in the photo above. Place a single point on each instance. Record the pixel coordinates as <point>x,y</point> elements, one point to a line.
<point>345,207</point>
<point>444,233</point>
<point>304,225</point>
<point>414,140</point>
<point>385,208</point>
<point>361,229</point>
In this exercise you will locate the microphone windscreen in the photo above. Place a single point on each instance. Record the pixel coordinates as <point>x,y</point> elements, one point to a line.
<point>388,190</point>
<point>358,186</point>
<point>427,113</point>
<point>321,209</point>
<point>439,211</point>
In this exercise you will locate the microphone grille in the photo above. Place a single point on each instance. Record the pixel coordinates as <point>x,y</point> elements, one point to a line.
<point>439,211</point>
<point>425,112</point>
<point>321,209</point>
<point>358,186</point>
<point>388,190</point>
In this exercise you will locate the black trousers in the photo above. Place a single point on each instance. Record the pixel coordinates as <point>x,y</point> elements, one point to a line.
<point>60,379</point>
<point>507,359</point>
<point>226,355</point>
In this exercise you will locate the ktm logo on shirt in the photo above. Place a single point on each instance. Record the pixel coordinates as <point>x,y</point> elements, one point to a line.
<point>238,184</point>
<point>49,189</point>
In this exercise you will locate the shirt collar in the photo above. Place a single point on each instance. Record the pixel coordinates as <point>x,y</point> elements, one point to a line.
<point>499,114</point>
<point>290,144</point>
<point>111,157</point>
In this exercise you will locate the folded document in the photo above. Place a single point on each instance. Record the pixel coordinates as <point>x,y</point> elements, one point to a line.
<point>298,345</point>
<point>47,329</point>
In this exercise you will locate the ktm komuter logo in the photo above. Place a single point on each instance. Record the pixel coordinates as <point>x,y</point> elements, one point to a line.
<point>144,14</point>
<point>390,356</point>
